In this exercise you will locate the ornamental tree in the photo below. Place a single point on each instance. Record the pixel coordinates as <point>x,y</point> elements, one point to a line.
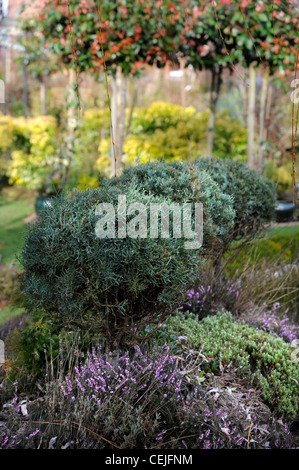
<point>272,29</point>
<point>206,44</point>
<point>220,34</point>
<point>116,36</point>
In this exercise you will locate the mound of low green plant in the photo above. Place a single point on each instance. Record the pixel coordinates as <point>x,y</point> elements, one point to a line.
<point>262,357</point>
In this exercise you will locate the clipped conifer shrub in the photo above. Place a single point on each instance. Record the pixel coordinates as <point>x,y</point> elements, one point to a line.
<point>112,285</point>
<point>181,184</point>
<point>254,197</point>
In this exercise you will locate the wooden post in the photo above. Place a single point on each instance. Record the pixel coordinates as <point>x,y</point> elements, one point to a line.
<point>251,117</point>
<point>215,90</point>
<point>263,102</point>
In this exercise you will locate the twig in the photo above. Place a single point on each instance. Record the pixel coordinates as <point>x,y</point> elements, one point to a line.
<point>74,55</point>
<point>249,434</point>
<point>107,89</point>
<point>78,425</point>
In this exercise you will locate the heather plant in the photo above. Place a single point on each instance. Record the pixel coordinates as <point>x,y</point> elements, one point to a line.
<point>254,197</point>
<point>6,442</point>
<point>206,299</point>
<point>247,285</point>
<point>262,357</point>
<point>140,399</point>
<point>274,322</point>
<point>110,285</point>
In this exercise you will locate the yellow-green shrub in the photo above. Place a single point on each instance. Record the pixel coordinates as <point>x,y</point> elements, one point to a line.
<point>12,137</point>
<point>38,164</point>
<point>282,176</point>
<point>93,128</point>
<point>171,132</point>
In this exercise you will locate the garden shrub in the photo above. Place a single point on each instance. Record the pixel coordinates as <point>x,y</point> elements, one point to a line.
<point>13,136</point>
<point>254,196</point>
<point>35,161</point>
<point>39,342</point>
<point>261,356</point>
<point>210,295</point>
<point>160,115</point>
<point>182,138</point>
<point>180,185</point>
<point>109,284</point>
<point>93,127</point>
<point>281,175</point>
<point>172,132</point>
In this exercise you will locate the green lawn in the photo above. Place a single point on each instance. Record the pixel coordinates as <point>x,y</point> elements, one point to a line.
<point>287,231</point>
<point>7,312</point>
<point>12,227</point>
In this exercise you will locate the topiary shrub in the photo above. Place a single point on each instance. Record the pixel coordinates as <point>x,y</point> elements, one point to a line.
<point>261,356</point>
<point>110,285</point>
<point>254,197</point>
<point>180,184</point>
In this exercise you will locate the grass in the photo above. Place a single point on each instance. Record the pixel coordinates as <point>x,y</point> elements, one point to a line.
<point>278,243</point>
<point>287,231</point>
<point>12,227</point>
<point>7,312</point>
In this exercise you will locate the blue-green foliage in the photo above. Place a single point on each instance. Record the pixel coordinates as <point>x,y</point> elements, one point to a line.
<point>108,284</point>
<point>254,197</point>
<point>182,185</point>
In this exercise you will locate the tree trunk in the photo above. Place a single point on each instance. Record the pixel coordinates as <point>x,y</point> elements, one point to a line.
<point>43,90</point>
<point>268,110</point>
<point>42,97</point>
<point>251,117</point>
<point>122,117</point>
<point>71,112</point>
<point>215,89</point>
<point>113,126</point>
<point>183,84</point>
<point>3,54</point>
<point>263,102</point>
<point>25,88</point>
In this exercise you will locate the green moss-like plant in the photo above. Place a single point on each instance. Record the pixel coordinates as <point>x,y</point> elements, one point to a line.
<point>256,354</point>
